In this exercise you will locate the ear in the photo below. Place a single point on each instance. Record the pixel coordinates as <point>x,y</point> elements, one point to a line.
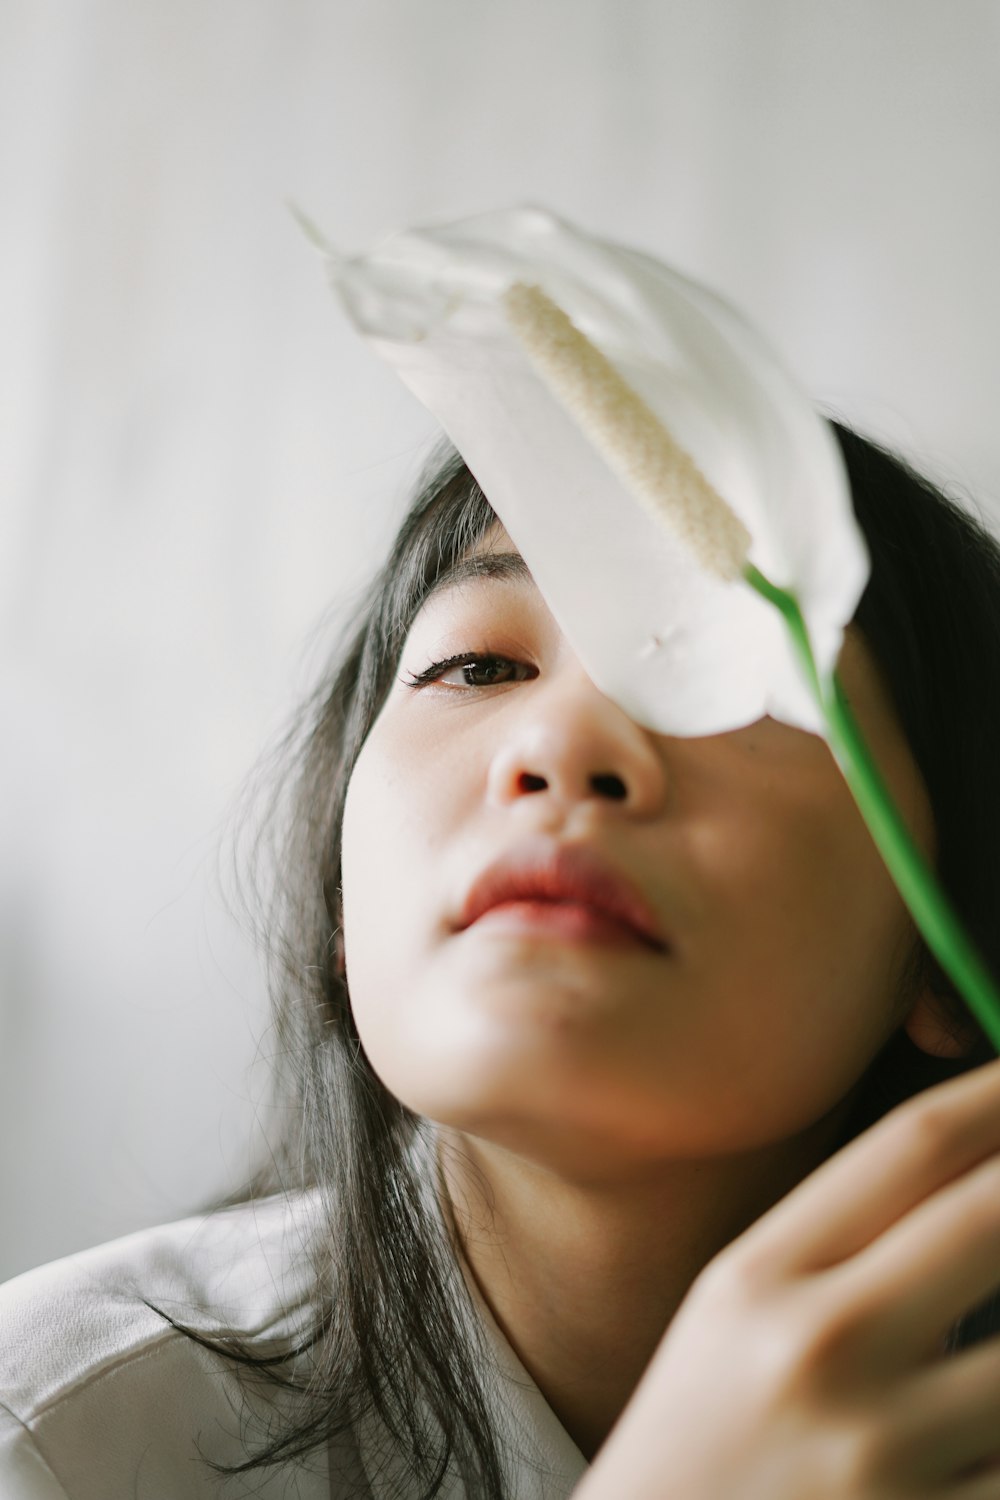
<point>931,1029</point>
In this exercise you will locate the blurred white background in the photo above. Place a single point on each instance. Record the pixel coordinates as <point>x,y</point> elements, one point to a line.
<point>198,457</point>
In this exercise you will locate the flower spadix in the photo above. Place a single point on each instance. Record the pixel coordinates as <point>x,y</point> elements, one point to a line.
<point>641,445</point>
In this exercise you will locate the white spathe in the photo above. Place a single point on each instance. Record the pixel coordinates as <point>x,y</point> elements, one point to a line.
<point>680,650</point>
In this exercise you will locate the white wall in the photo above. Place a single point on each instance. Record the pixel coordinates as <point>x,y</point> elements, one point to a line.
<point>197,456</point>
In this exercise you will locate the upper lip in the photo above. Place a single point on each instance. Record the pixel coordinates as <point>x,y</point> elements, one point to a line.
<point>544,871</point>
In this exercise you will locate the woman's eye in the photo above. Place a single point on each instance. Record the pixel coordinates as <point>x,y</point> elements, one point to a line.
<point>493,671</point>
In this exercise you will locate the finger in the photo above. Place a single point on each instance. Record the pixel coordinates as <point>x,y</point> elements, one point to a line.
<point>934,1264</point>
<point>950,1416</point>
<point>883,1174</point>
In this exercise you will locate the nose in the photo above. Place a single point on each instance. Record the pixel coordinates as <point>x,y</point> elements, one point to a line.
<point>570,743</point>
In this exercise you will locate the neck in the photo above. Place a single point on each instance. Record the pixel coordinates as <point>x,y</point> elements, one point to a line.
<point>583,1279</point>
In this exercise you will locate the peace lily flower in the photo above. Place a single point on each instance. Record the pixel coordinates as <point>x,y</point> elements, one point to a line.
<point>577,377</point>
<point>679,648</point>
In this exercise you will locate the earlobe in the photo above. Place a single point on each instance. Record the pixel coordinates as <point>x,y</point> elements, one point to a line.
<point>930,1028</point>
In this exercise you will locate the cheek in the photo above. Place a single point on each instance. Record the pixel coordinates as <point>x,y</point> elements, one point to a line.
<point>373,859</point>
<point>790,873</point>
<point>373,878</point>
<point>394,899</point>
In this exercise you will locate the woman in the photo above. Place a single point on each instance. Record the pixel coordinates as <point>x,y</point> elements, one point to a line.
<point>564,1187</point>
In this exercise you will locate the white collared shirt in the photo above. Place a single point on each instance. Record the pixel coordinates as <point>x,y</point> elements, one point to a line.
<point>100,1399</point>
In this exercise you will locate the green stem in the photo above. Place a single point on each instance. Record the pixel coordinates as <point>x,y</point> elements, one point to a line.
<point>916,881</point>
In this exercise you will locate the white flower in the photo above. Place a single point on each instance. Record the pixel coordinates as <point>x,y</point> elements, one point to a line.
<point>657,612</point>
<point>578,377</point>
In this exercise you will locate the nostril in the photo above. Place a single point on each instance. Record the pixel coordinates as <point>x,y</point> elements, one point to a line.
<point>526,782</point>
<point>610,786</point>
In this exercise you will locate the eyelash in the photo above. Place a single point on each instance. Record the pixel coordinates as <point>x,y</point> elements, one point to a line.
<point>465,659</point>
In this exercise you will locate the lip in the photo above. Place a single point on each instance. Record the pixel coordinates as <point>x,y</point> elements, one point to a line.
<point>569,875</point>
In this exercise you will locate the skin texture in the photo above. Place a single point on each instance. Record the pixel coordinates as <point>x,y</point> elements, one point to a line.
<point>612,1117</point>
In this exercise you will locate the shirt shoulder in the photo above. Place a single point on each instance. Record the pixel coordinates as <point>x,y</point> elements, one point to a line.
<point>100,1395</point>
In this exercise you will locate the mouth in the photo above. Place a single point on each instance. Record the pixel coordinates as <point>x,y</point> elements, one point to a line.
<point>563,921</point>
<point>562,890</point>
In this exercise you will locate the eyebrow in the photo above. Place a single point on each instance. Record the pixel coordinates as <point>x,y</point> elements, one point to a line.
<point>509,566</point>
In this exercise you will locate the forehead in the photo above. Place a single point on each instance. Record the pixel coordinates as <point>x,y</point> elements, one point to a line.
<point>497,537</point>
<point>492,556</point>
<point>495,555</point>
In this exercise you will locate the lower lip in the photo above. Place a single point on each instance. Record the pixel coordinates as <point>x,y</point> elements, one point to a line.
<point>562,919</point>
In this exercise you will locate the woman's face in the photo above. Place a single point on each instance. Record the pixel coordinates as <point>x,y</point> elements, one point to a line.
<point>786,938</point>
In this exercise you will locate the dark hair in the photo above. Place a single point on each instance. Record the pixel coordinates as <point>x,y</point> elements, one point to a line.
<point>384,1323</point>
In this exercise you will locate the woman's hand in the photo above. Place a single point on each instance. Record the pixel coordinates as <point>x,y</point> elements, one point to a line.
<point>805,1362</point>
